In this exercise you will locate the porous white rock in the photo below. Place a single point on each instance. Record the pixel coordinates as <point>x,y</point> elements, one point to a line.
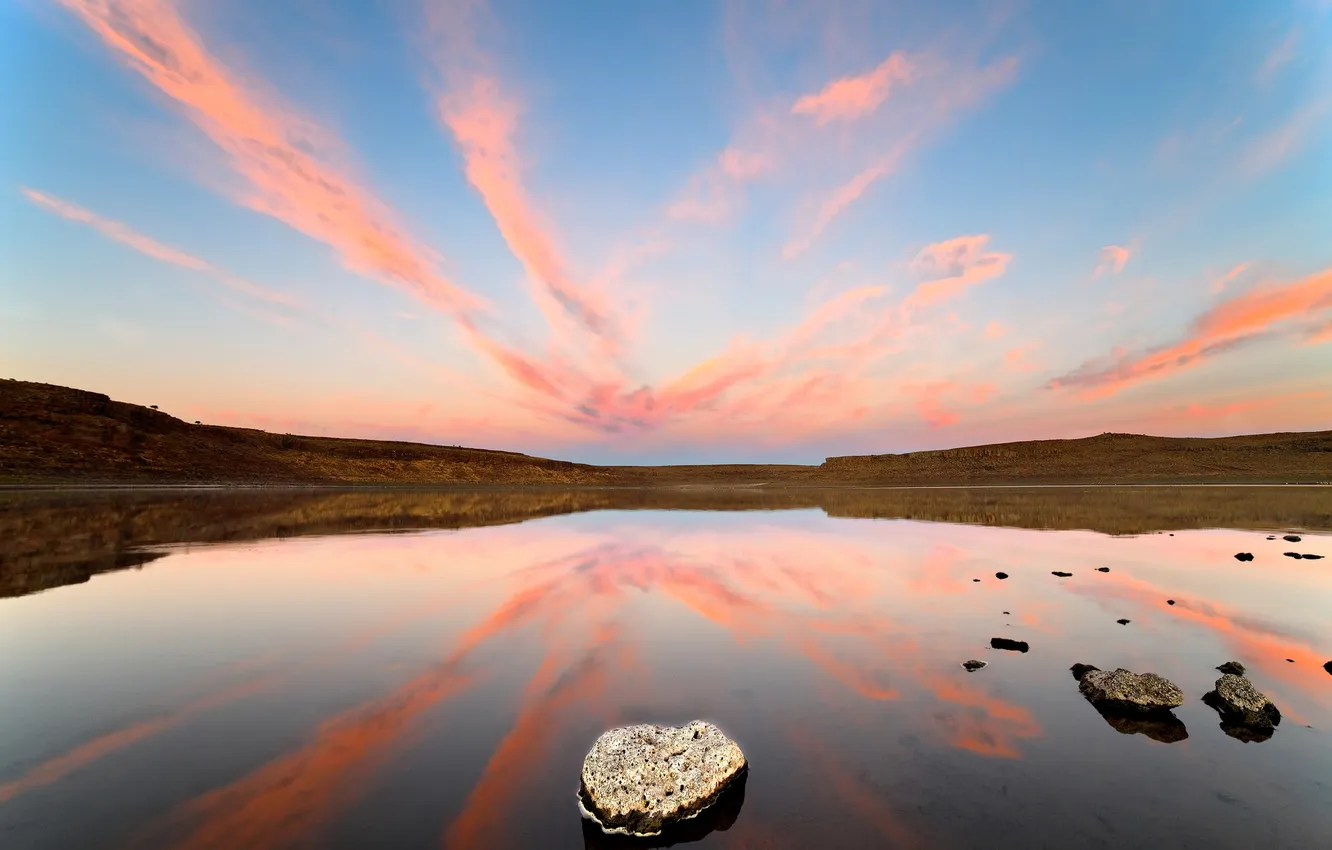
<point>638,779</point>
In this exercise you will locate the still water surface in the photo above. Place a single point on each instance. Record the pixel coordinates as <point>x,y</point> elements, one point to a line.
<point>300,678</point>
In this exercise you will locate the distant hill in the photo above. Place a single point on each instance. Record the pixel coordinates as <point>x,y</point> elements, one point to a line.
<point>52,434</point>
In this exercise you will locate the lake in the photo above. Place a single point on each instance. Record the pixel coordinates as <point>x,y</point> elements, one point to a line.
<point>426,669</point>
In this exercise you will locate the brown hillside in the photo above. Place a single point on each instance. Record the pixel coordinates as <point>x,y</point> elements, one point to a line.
<point>51,434</point>
<point>1108,458</point>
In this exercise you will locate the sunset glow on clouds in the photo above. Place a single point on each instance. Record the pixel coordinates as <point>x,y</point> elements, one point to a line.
<point>743,231</point>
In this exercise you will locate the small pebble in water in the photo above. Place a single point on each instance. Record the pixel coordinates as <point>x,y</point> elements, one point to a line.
<point>1001,575</point>
<point>1102,569</point>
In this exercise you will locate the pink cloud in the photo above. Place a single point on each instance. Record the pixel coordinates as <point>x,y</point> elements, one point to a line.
<point>1238,321</point>
<point>1279,57</point>
<point>1113,259</point>
<point>1015,359</point>
<point>930,400</point>
<point>993,330</point>
<point>1275,147</point>
<point>270,149</point>
<point>482,120</point>
<point>1229,276</point>
<point>126,235</point>
<point>851,97</point>
<point>840,198</point>
<point>963,261</point>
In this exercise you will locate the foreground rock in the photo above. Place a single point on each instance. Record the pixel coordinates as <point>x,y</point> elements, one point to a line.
<point>1232,667</point>
<point>1013,645</point>
<point>718,817</point>
<point>638,780</point>
<point>1125,690</point>
<point>1241,704</point>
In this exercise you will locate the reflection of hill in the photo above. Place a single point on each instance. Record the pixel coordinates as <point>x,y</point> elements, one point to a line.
<point>53,539</point>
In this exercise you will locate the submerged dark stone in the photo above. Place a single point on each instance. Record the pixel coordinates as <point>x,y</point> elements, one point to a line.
<point>1272,537</point>
<point>1232,667</point>
<point>975,579</point>
<point>1001,575</point>
<point>1160,726</point>
<point>973,666</point>
<point>1013,645</point>
<point>1080,670</point>
<point>1061,575</point>
<point>1123,622</point>
<point>1295,555</point>
<point>1102,569</point>
<point>1306,556</point>
<point>1244,556</point>
<point>1291,538</point>
<point>1170,602</point>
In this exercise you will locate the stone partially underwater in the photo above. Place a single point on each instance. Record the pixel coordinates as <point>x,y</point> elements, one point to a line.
<point>718,817</point>
<point>643,780</point>
<point>1247,714</point>
<point>1128,691</point>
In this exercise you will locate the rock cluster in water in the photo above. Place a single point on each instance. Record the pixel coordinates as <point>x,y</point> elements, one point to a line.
<point>639,779</point>
<point>1241,704</point>
<point>1125,690</point>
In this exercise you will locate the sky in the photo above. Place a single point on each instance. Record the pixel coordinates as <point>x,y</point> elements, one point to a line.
<point>748,230</point>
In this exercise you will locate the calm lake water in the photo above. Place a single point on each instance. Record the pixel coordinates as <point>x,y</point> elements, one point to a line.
<point>426,670</point>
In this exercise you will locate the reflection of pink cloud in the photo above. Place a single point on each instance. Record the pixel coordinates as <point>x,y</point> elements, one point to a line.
<point>57,768</point>
<point>1231,323</point>
<point>1113,259</point>
<point>852,97</point>
<point>993,330</point>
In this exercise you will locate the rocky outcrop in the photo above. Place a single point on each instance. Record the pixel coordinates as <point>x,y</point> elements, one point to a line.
<point>1124,690</point>
<point>638,780</point>
<point>1241,704</point>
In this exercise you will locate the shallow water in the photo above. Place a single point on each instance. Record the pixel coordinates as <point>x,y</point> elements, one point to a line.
<point>270,670</point>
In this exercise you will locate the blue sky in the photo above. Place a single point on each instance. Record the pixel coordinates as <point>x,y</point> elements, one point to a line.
<point>674,232</point>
